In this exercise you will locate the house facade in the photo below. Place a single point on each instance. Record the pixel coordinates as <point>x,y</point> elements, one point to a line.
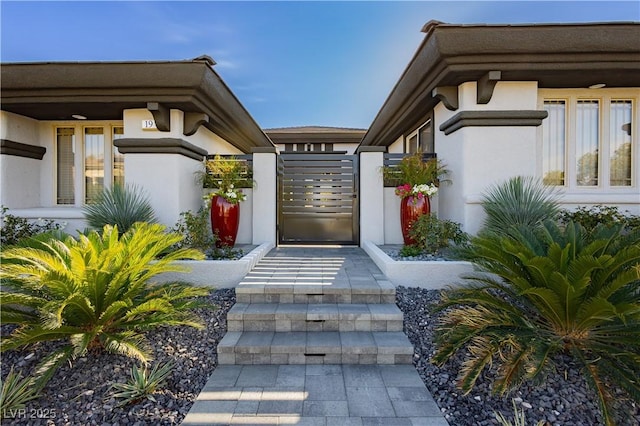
<point>491,101</point>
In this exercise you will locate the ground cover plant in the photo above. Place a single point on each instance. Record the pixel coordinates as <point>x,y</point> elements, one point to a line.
<point>548,291</point>
<point>94,293</point>
<point>195,229</point>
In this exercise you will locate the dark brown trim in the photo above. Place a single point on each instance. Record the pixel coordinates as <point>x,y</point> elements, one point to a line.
<point>192,121</point>
<point>484,89</point>
<point>553,55</point>
<point>103,90</point>
<point>493,119</point>
<point>19,149</point>
<point>448,95</point>
<point>161,115</point>
<point>160,146</point>
<point>337,137</point>
<point>264,150</point>
<point>362,149</point>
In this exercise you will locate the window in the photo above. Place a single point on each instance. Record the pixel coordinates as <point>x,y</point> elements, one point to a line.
<point>421,139</point>
<point>587,141</point>
<point>99,163</point>
<point>65,157</point>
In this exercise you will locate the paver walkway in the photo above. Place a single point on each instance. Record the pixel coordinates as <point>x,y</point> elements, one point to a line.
<point>315,339</point>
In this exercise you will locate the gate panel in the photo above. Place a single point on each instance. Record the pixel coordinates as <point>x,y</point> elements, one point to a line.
<point>318,198</point>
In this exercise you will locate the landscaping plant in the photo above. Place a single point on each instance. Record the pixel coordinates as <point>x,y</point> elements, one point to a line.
<point>143,383</point>
<point>195,229</point>
<point>519,203</point>
<point>590,217</point>
<point>432,235</point>
<point>544,292</point>
<point>413,170</point>
<point>120,206</point>
<point>15,391</point>
<point>94,292</point>
<point>16,228</point>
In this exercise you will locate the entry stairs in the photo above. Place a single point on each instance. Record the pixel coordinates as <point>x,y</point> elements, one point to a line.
<point>302,310</point>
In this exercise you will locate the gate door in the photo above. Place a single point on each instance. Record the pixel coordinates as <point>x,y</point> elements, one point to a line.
<point>318,198</point>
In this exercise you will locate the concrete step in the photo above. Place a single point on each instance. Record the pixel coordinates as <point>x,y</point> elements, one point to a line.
<point>286,317</point>
<point>268,347</point>
<point>342,291</point>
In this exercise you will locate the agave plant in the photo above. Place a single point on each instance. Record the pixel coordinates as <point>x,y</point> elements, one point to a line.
<point>121,206</point>
<point>94,292</point>
<point>143,383</point>
<point>15,391</point>
<point>519,203</point>
<point>541,293</point>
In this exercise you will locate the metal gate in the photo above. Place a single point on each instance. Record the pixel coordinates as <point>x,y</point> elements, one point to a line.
<point>318,201</point>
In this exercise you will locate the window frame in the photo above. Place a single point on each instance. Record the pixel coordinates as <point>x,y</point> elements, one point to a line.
<point>604,97</point>
<point>80,189</point>
<point>416,133</point>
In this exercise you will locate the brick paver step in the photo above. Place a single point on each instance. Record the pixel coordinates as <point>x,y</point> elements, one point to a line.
<point>268,347</point>
<point>314,317</point>
<point>370,291</point>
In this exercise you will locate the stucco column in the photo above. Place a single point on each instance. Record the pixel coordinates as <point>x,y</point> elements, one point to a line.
<point>371,194</point>
<point>264,195</point>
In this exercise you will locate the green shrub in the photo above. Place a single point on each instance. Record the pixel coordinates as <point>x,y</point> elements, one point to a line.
<point>433,235</point>
<point>590,217</point>
<point>94,292</point>
<point>195,229</point>
<point>543,292</point>
<point>413,170</point>
<point>519,203</point>
<point>411,250</point>
<point>143,383</point>
<point>120,206</point>
<point>15,228</point>
<point>15,392</point>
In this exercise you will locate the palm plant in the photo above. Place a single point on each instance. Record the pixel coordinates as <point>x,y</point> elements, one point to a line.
<point>543,292</point>
<point>121,206</point>
<point>520,202</point>
<point>94,292</point>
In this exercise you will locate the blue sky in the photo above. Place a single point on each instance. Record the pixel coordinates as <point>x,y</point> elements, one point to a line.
<point>290,63</point>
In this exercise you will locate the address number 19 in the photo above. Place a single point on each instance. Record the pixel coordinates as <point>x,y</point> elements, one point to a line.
<point>148,125</point>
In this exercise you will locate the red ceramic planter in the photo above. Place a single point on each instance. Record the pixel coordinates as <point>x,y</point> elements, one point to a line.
<point>411,208</point>
<point>225,218</point>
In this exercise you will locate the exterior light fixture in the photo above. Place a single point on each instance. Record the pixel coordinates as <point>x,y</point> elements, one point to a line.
<point>78,117</point>
<point>597,86</point>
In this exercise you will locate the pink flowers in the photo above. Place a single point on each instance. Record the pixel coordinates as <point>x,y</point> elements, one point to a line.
<point>419,191</point>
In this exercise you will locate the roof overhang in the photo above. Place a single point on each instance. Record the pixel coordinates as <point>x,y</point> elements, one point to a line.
<point>554,55</point>
<point>102,90</point>
<point>315,134</point>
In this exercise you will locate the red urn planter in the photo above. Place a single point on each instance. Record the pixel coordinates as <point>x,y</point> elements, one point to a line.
<point>411,208</point>
<point>225,218</point>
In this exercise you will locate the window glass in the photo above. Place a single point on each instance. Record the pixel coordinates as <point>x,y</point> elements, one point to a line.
<point>93,162</point>
<point>587,142</point>
<point>118,158</point>
<point>620,143</point>
<point>425,138</point>
<point>65,158</point>
<point>553,143</point>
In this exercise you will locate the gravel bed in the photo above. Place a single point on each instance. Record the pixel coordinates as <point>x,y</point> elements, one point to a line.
<point>563,398</point>
<point>393,251</point>
<point>80,394</point>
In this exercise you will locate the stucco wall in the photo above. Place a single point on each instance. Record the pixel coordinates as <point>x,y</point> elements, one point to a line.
<point>19,176</point>
<point>482,156</point>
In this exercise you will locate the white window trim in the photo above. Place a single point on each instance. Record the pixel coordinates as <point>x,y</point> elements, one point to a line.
<point>604,96</point>
<point>415,133</point>
<point>79,154</point>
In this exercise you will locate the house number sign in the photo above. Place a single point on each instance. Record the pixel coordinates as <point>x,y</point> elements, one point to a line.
<point>148,125</point>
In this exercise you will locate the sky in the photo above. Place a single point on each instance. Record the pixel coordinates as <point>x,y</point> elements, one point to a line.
<point>293,63</point>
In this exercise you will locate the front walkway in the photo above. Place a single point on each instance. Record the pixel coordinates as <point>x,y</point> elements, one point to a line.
<point>330,309</point>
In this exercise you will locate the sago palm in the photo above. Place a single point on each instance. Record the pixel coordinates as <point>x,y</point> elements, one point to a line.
<point>94,292</point>
<point>548,291</point>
